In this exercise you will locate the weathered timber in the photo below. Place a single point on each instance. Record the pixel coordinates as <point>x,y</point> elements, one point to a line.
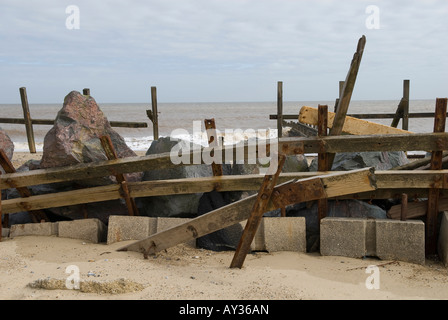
<point>210,126</point>
<point>111,154</point>
<point>254,220</point>
<point>27,120</point>
<point>433,193</point>
<point>153,113</point>
<point>415,209</point>
<point>287,146</point>
<point>240,210</point>
<point>322,158</point>
<point>347,90</point>
<point>413,115</point>
<point>390,184</point>
<point>352,125</point>
<point>36,215</point>
<point>405,122</point>
<point>123,124</point>
<point>404,207</point>
<point>279,109</point>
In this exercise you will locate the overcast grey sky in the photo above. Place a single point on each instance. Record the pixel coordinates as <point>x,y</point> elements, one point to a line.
<point>220,50</point>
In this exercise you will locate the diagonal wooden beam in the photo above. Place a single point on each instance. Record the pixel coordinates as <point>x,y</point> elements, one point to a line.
<point>259,208</point>
<point>111,154</point>
<point>36,215</point>
<point>332,184</point>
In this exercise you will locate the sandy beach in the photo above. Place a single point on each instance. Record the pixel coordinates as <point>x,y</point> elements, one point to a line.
<point>35,268</point>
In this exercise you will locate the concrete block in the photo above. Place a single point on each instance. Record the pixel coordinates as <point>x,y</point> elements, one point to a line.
<point>284,234</point>
<point>92,230</point>
<point>122,228</point>
<point>34,229</point>
<point>400,240</point>
<point>343,237</point>
<point>443,239</point>
<point>5,232</point>
<point>167,223</point>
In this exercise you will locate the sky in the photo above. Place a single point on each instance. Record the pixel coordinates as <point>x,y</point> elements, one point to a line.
<point>221,50</point>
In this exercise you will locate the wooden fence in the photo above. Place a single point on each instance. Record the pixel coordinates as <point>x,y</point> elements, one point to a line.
<point>28,121</point>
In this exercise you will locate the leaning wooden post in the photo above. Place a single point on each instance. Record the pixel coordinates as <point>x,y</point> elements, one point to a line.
<point>322,157</point>
<point>433,193</point>
<point>36,215</point>
<point>346,94</point>
<point>210,126</point>
<point>405,123</point>
<point>259,208</point>
<point>341,86</point>
<point>152,114</point>
<point>28,121</point>
<point>279,109</point>
<point>111,154</point>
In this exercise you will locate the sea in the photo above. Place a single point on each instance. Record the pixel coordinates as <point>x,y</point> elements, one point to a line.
<point>234,120</point>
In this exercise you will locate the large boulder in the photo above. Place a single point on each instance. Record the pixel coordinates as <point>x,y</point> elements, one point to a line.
<point>75,137</point>
<point>6,144</point>
<point>383,160</point>
<point>181,205</point>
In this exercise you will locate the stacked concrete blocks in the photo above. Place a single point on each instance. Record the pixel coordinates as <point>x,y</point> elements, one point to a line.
<point>385,238</point>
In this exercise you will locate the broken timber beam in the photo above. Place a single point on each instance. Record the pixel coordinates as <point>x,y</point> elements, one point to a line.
<point>210,126</point>
<point>285,194</point>
<point>111,154</point>
<point>352,125</point>
<point>253,222</point>
<point>346,94</point>
<point>287,146</point>
<point>390,184</point>
<point>433,193</point>
<point>36,215</point>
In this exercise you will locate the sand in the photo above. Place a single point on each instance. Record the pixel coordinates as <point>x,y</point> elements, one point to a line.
<point>34,268</point>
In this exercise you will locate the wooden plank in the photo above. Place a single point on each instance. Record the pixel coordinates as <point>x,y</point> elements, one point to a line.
<point>390,184</point>
<point>415,209</point>
<point>254,220</point>
<point>121,124</point>
<point>297,145</point>
<point>398,114</point>
<point>322,158</point>
<point>27,119</point>
<point>279,109</point>
<point>405,122</point>
<point>111,154</point>
<point>433,193</point>
<point>413,115</point>
<point>210,126</point>
<point>239,211</point>
<point>35,215</point>
<point>352,125</point>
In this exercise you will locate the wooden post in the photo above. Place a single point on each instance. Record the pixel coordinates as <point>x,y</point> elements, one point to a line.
<point>86,91</point>
<point>28,121</point>
<point>404,206</point>
<point>346,94</point>
<point>279,109</point>
<point>1,215</point>
<point>210,126</point>
<point>152,114</point>
<point>259,208</point>
<point>405,123</point>
<point>36,215</point>
<point>111,154</point>
<point>433,193</point>
<point>322,158</point>
<point>341,86</point>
